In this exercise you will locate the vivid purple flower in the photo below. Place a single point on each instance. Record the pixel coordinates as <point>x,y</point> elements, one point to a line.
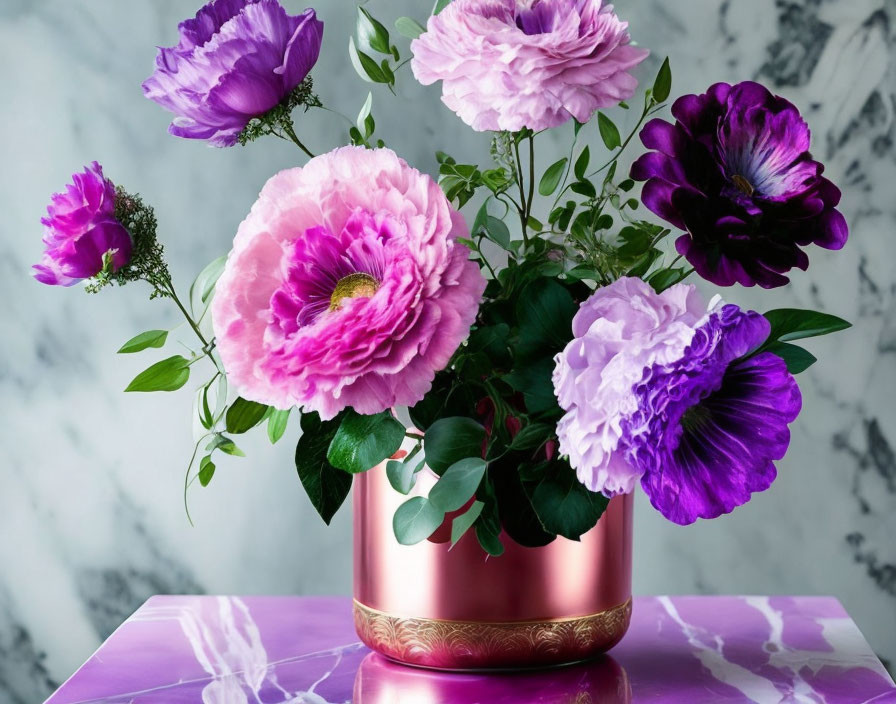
<point>509,64</point>
<point>735,173</point>
<point>236,60</point>
<point>345,287</point>
<point>710,425</point>
<point>660,387</point>
<point>80,230</point>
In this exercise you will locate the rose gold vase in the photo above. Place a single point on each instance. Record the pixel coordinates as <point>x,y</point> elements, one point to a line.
<point>457,609</point>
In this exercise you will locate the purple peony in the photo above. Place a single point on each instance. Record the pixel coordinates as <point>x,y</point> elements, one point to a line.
<point>735,173</point>
<point>346,287</point>
<point>80,230</point>
<point>509,64</point>
<point>236,60</point>
<point>710,424</point>
<point>658,387</point>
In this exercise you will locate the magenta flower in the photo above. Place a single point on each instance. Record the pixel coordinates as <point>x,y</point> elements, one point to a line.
<point>735,173</point>
<point>509,64</point>
<point>345,287</point>
<point>80,230</point>
<point>236,60</point>
<point>659,388</point>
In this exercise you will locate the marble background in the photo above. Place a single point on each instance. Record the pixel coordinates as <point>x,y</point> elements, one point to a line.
<point>91,516</point>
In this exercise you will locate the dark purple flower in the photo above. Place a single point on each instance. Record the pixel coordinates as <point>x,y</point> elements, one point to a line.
<point>236,60</point>
<point>710,424</point>
<point>735,173</point>
<point>80,230</point>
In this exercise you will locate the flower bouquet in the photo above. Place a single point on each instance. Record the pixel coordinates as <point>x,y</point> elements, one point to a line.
<point>513,372</point>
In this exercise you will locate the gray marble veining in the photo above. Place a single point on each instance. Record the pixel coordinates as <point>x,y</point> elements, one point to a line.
<point>91,480</point>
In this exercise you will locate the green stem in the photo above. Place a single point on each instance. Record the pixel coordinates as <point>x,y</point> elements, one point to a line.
<point>648,111</point>
<point>531,176</point>
<point>485,260</point>
<point>291,133</point>
<point>524,218</point>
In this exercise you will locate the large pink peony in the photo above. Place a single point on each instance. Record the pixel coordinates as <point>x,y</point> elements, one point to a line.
<point>509,64</point>
<point>345,286</point>
<point>622,330</point>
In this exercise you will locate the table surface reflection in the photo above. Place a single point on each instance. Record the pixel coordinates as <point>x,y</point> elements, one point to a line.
<point>687,650</point>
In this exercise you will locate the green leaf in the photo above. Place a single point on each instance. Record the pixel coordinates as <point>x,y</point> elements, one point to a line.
<point>362,442</point>
<point>408,27</point>
<point>145,340</point>
<point>458,484</point>
<point>545,310</point>
<point>415,520</point>
<point>564,505</point>
<point>533,380</point>
<point>790,324</point>
<point>581,166</point>
<point>490,541</point>
<point>552,177</point>
<point>401,475</point>
<point>244,415</point>
<point>797,359</point>
<point>168,375</point>
<point>206,470</point>
<point>584,188</point>
<point>440,5</point>
<point>204,284</point>
<point>463,523</point>
<point>608,132</point>
<point>372,33</point>
<point>364,114</point>
<point>498,232</point>
<point>665,278</point>
<point>532,436</point>
<point>450,440</point>
<point>277,422</point>
<point>325,485</point>
<point>366,67</point>
<point>662,86</point>
<point>225,445</point>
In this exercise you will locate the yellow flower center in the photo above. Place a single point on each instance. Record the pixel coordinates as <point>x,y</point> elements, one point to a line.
<point>353,286</point>
<point>743,185</point>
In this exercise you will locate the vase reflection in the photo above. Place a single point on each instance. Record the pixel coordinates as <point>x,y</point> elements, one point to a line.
<point>601,681</point>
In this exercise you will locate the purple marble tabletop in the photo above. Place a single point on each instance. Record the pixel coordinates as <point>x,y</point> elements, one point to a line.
<point>681,650</point>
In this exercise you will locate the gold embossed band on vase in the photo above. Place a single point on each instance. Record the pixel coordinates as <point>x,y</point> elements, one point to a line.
<point>434,606</point>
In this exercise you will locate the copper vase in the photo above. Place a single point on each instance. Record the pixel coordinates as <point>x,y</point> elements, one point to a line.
<point>434,606</point>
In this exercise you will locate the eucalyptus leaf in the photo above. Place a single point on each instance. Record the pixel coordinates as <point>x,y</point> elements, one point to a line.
<point>415,520</point>
<point>326,486</point>
<point>144,341</point>
<point>450,440</point>
<point>458,484</point>
<point>244,415</point>
<point>498,232</point>
<point>362,442</point>
<point>463,523</point>
<point>402,475</point>
<point>552,177</point>
<point>168,375</point>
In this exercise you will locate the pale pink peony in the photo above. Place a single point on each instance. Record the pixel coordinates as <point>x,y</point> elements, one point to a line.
<point>509,64</point>
<point>620,331</point>
<point>345,286</point>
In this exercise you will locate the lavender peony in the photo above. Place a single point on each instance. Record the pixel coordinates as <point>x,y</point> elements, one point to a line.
<point>236,60</point>
<point>81,231</point>
<point>735,173</point>
<point>659,388</point>
<point>345,286</point>
<point>509,64</point>
<point>618,332</point>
